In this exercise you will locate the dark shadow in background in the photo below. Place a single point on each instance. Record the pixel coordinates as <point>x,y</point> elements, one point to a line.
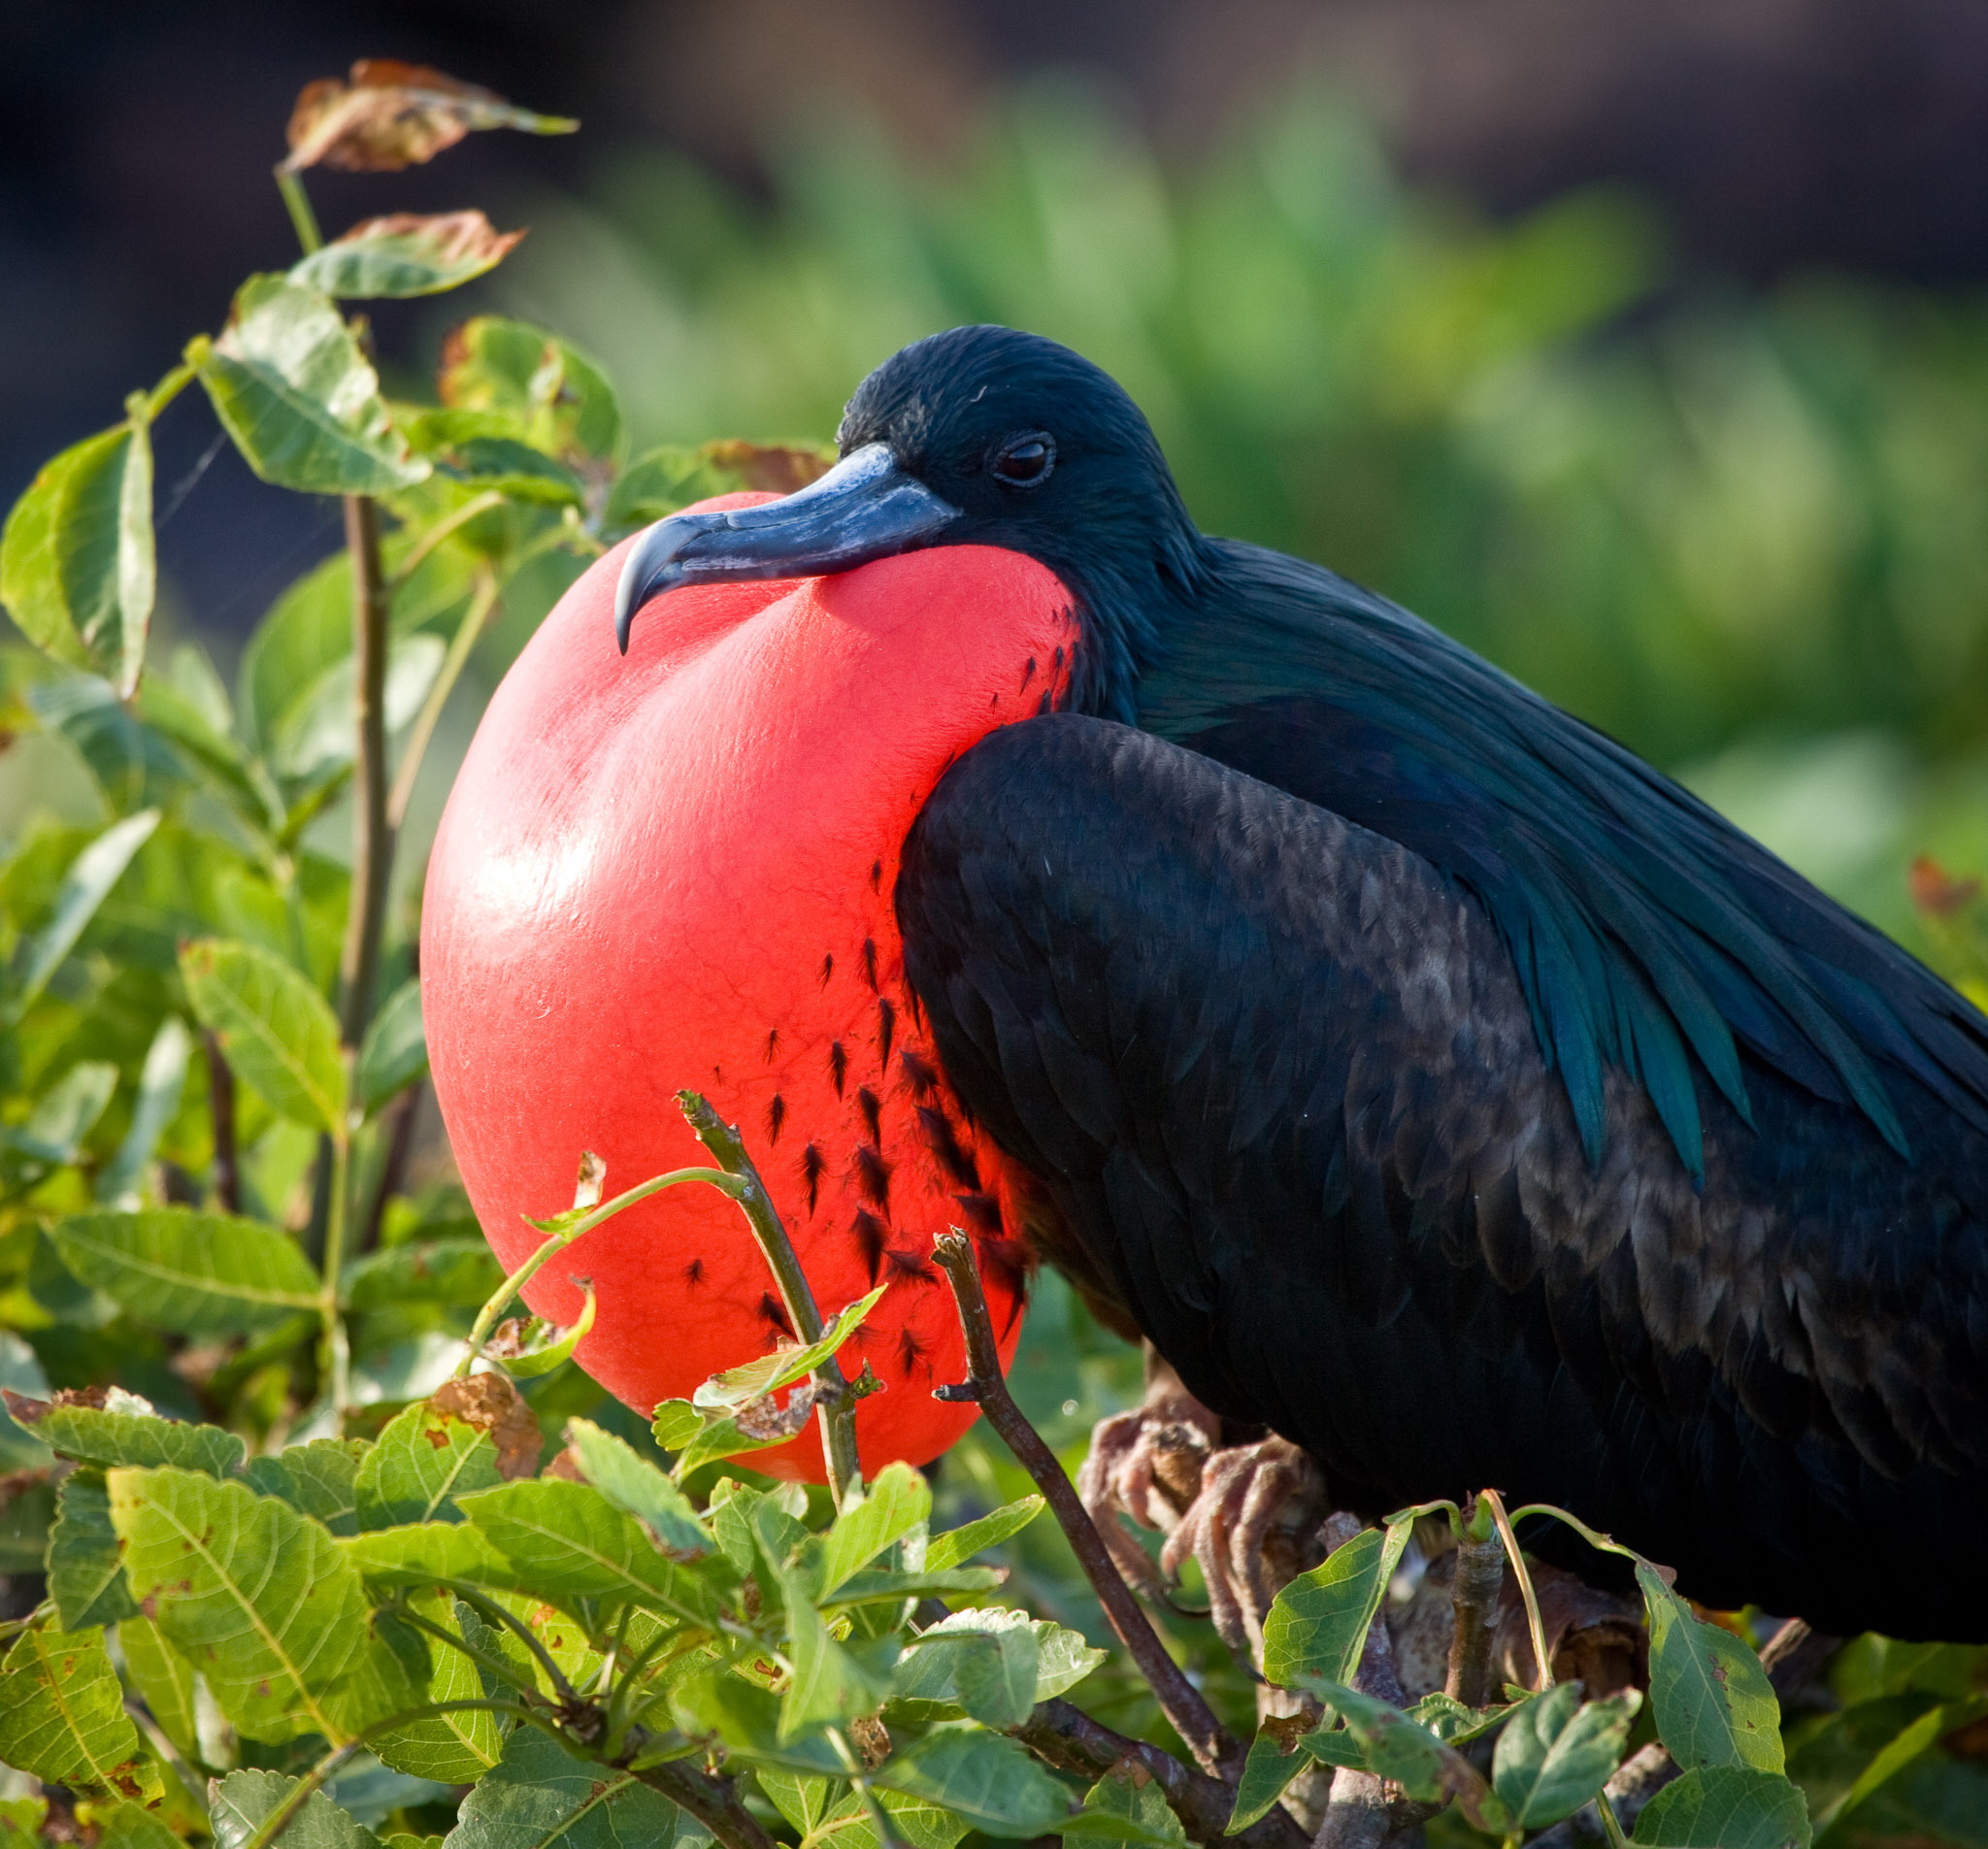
<point>136,141</point>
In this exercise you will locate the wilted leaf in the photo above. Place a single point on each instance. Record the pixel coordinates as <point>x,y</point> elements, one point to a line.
<point>241,1802</point>
<point>1725,1807</point>
<point>86,1574</point>
<point>987,1779</point>
<point>525,1347</point>
<point>279,1033</point>
<point>78,572</point>
<point>735,1387</point>
<point>390,115</point>
<point>256,1594</point>
<point>491,1404</point>
<point>62,1715</point>
<point>198,1273</point>
<point>959,1544</point>
<point>1556,1753</point>
<point>635,1485</point>
<point>1318,1624</point>
<point>1713,1702</point>
<point>291,387</point>
<point>407,253</point>
<point>85,887</point>
<point>540,1797</point>
<point>418,1465</point>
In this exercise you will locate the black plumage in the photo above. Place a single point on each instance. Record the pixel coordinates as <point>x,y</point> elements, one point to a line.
<point>1428,1077</point>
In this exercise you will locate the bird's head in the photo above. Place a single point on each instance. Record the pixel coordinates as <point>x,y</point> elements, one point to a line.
<point>980,435</point>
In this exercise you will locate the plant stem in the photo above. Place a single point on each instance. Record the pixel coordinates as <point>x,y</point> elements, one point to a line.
<point>1067,1737</point>
<point>431,536</point>
<point>1542,1657</point>
<point>837,1410</point>
<point>482,601</point>
<point>1215,1749</point>
<point>500,1299</point>
<point>298,201</point>
<point>336,1360</point>
<point>372,837</point>
<point>400,1143</point>
<point>220,1105</point>
<point>1473,1600</point>
<point>714,1801</point>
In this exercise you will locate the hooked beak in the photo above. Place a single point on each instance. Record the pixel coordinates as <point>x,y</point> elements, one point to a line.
<point>865,507</point>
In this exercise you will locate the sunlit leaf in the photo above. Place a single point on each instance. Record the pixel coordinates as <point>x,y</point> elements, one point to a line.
<point>563,401</point>
<point>528,1347</point>
<point>86,1573</point>
<point>1319,1622</point>
<point>635,1485</point>
<point>63,1714</point>
<point>407,253</point>
<point>540,1797</point>
<point>78,572</point>
<point>319,1479</point>
<point>166,1681</point>
<point>291,387</point>
<point>959,1544</point>
<point>1713,1701</point>
<point>257,1594</point>
<point>241,1802</point>
<point>894,1503</point>
<point>1725,1807</point>
<point>735,1387</point>
<point>987,1779</point>
<point>279,1033</point>
<point>419,1464</point>
<point>389,115</point>
<point>84,886</point>
<point>425,1553</point>
<point>451,1749</point>
<point>199,1273</point>
<point>64,1114</point>
<point>453,1271</point>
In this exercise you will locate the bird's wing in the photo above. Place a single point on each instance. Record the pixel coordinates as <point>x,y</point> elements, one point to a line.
<point>1648,933</point>
<point>1280,1080</point>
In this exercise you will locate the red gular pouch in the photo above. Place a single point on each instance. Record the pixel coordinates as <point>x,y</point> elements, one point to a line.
<point>676,871</point>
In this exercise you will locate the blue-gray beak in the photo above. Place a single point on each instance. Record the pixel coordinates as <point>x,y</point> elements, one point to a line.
<point>865,507</point>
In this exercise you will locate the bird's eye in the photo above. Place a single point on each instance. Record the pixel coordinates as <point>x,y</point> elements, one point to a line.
<point>1024,461</point>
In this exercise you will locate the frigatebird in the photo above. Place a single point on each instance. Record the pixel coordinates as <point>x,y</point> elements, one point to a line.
<point>1428,1079</point>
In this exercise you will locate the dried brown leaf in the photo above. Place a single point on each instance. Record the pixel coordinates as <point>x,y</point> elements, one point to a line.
<point>770,468</point>
<point>390,115</point>
<point>490,1403</point>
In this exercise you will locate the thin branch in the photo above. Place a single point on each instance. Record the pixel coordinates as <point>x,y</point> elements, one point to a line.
<point>338,1208</point>
<point>372,838</point>
<point>1542,1657</point>
<point>418,554</point>
<point>837,1408</point>
<point>1067,1737</point>
<point>1473,1600</point>
<point>1213,1747</point>
<point>714,1801</point>
<point>487,1608</point>
<point>400,1144</point>
<point>220,1105</point>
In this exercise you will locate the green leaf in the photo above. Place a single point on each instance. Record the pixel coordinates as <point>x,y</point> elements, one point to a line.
<point>128,1429</point>
<point>722,1706</point>
<point>21,1820</point>
<point>563,402</point>
<point>1713,1701</point>
<point>1131,1796</point>
<point>131,1826</point>
<point>1725,1807</point>
<point>514,468</point>
<point>994,1784</point>
<point>279,1033</point>
<point>428,1553</point>
<point>316,733</point>
<point>62,1715</point>
<point>160,1084</point>
<point>196,1273</point>
<point>1455,1724</point>
<point>635,1485</point>
<point>319,1479</point>
<point>78,571</point>
<point>86,1573</point>
<point>259,1595</point>
<point>395,1050</point>
<point>878,1586</point>
<point>567,1541</point>
<point>241,1802</point>
<point>462,1271</point>
<point>547,1345</point>
<point>675,1423</point>
<point>1266,1774</point>
<point>65,1114</point>
<point>959,1544</point>
<point>166,1681</point>
<point>406,253</point>
<point>1556,1753</point>
<point>1394,1747</point>
<point>928,1672</point>
<point>419,1464</point>
<point>83,888</point>
<point>291,387</point>
<point>736,1387</point>
<point>893,1503</point>
<point>451,1749</point>
<point>540,1797</point>
<point>1318,1624</point>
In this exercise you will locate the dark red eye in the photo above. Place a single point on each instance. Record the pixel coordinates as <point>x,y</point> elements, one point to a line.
<point>1026,460</point>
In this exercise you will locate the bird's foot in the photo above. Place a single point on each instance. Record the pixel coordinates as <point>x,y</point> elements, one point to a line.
<point>1246,1513</point>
